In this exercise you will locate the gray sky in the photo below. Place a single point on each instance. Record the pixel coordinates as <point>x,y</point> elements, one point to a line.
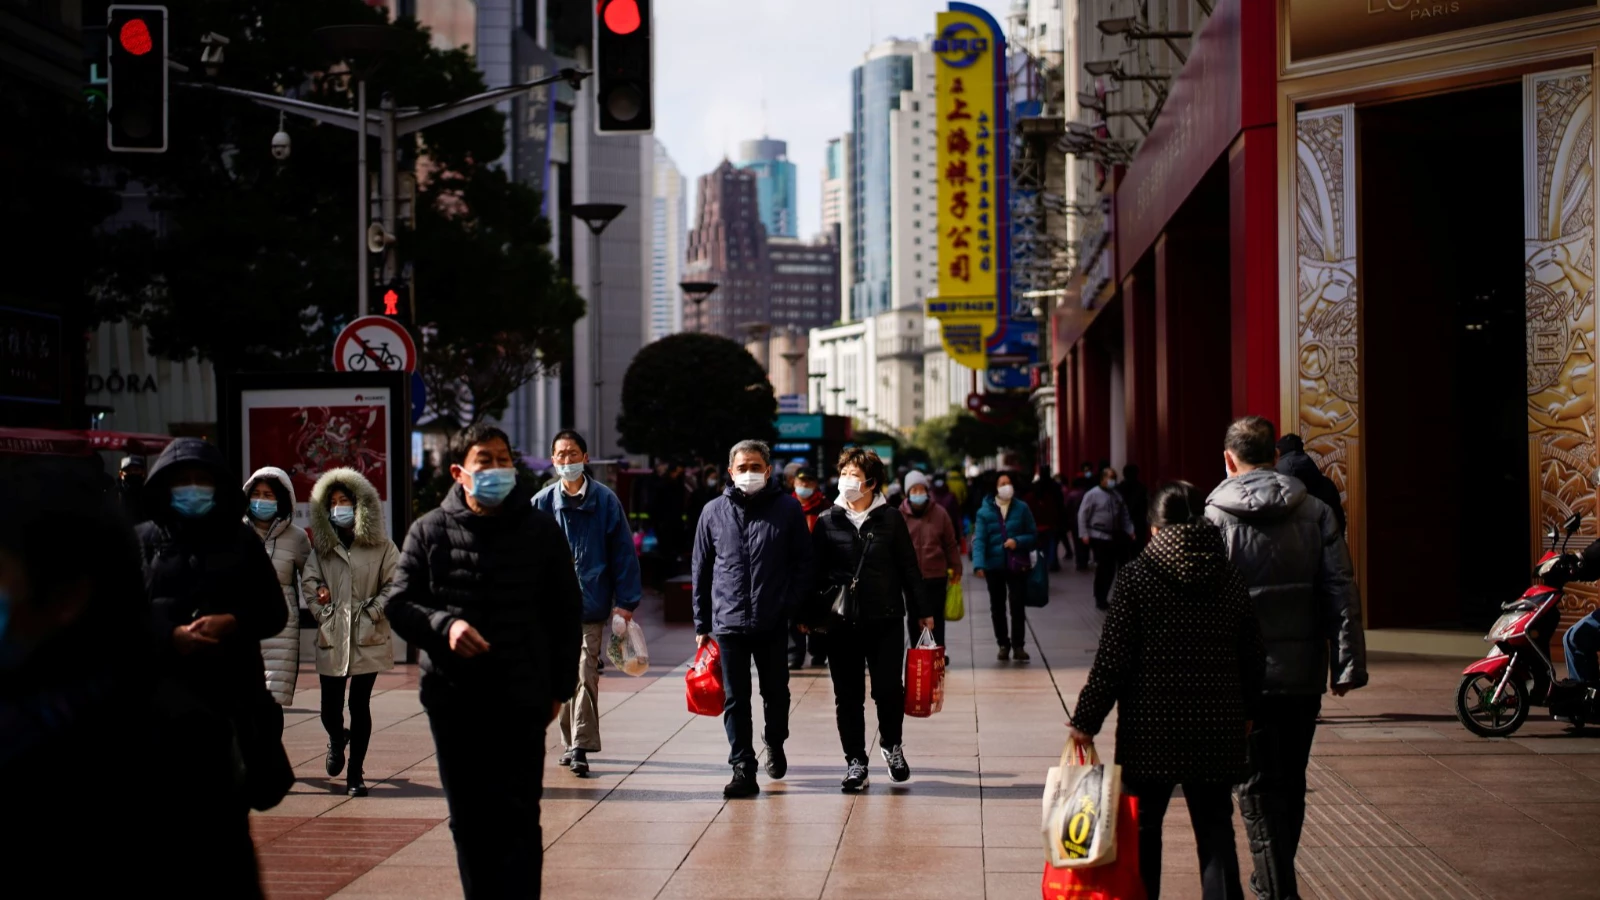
<point>718,60</point>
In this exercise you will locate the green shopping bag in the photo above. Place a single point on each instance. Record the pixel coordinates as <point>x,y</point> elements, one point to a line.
<point>954,606</point>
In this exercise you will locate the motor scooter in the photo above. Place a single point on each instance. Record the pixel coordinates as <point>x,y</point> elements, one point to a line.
<point>1498,691</point>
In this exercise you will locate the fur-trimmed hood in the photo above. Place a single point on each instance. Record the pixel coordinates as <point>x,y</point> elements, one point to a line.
<point>369,511</point>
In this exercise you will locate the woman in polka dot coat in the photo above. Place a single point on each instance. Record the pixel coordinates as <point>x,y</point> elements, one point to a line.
<point>1181,655</point>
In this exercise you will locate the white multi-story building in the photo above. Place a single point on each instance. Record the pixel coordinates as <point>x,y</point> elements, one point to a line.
<point>847,356</point>
<point>670,221</point>
<point>833,186</point>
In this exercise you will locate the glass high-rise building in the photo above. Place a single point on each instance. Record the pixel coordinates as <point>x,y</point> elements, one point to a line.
<point>775,184</point>
<point>875,92</point>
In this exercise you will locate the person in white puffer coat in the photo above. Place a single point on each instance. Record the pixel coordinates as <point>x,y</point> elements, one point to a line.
<point>271,512</point>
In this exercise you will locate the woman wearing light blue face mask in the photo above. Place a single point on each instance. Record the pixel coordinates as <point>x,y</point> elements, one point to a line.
<point>271,514</point>
<point>348,581</point>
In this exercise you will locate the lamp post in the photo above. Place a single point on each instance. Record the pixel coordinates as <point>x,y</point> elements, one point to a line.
<point>836,392</point>
<point>697,292</point>
<point>597,216</point>
<point>818,377</point>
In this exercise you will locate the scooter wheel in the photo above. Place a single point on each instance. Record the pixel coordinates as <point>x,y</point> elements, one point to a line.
<point>1488,719</point>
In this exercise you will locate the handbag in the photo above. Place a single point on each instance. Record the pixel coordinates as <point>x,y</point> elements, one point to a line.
<point>261,766</point>
<point>955,606</point>
<point>1017,561</point>
<point>702,684</point>
<point>924,677</point>
<point>1038,593</point>
<point>842,600</point>
<point>1118,880</point>
<point>1081,799</point>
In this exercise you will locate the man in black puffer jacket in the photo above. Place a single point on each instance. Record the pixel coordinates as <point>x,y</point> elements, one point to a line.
<point>1294,461</point>
<point>1289,548</point>
<point>486,587</point>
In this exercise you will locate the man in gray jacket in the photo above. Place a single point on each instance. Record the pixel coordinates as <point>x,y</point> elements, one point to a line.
<point>1291,551</point>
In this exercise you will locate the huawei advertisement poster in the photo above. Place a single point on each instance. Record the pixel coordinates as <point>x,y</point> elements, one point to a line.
<point>308,432</point>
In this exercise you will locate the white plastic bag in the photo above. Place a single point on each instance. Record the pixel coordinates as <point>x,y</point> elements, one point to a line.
<point>1080,810</point>
<point>626,649</point>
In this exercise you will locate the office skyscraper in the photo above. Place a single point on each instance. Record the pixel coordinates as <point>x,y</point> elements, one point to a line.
<point>670,212</point>
<point>775,184</point>
<point>876,87</point>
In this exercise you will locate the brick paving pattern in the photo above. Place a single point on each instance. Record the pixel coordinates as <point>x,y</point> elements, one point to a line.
<point>1404,803</point>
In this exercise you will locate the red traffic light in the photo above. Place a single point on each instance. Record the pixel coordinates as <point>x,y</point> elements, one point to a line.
<point>620,16</point>
<point>391,303</point>
<point>135,37</point>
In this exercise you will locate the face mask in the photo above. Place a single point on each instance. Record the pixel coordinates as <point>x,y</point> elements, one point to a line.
<point>192,500</point>
<point>713,482</point>
<point>1004,491</point>
<point>263,510</point>
<point>570,471</point>
<point>491,486</point>
<point>850,489</point>
<point>804,493</point>
<point>919,499</point>
<point>750,482</point>
<point>1110,483</point>
<point>343,516</point>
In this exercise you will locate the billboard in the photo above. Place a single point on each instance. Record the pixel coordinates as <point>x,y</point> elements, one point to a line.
<point>973,168</point>
<point>310,423</point>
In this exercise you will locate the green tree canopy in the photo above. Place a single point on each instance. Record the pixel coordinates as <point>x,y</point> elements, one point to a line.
<point>971,436</point>
<point>256,268</point>
<point>693,396</point>
<point>933,437</point>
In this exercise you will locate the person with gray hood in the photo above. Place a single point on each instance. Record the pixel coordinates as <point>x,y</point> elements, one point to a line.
<point>1291,551</point>
<point>271,515</point>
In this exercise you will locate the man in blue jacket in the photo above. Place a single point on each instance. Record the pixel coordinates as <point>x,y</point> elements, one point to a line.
<point>608,571</point>
<point>752,566</point>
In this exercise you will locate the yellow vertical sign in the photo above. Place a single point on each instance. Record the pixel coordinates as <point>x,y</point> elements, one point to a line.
<point>969,154</point>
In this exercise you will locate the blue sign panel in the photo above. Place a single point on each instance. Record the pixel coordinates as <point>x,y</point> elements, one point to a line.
<point>799,428</point>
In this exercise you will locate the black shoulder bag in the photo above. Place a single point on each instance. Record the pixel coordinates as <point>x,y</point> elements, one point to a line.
<point>842,605</point>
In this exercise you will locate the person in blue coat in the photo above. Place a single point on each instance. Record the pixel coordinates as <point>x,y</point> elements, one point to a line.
<point>608,572</point>
<point>1002,553</point>
<point>752,566</point>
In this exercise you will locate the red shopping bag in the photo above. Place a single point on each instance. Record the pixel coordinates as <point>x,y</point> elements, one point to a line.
<point>1117,880</point>
<point>703,681</point>
<point>924,677</point>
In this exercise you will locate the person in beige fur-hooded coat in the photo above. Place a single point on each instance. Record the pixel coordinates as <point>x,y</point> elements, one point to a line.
<point>271,513</point>
<point>346,585</point>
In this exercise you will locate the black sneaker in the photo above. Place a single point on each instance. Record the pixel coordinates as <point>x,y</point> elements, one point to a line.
<point>743,783</point>
<point>796,665</point>
<point>580,763</point>
<point>896,758</point>
<point>777,762</point>
<point>334,764</point>
<point>356,786</point>
<point>1005,654</point>
<point>855,777</point>
<point>566,758</point>
<point>1019,654</point>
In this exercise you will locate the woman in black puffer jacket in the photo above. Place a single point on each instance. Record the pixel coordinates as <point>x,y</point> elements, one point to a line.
<point>1181,656</point>
<point>861,520</point>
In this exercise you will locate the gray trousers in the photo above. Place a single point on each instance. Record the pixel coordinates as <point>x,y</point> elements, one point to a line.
<point>580,717</point>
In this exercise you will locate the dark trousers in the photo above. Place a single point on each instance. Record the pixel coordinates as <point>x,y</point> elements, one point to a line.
<point>798,641</point>
<point>1211,814</point>
<point>360,712</point>
<point>876,647</point>
<point>1047,543</point>
<point>934,589</point>
<point>768,652</point>
<point>1272,799</point>
<point>1008,590</point>
<point>1107,558</point>
<point>491,761</point>
<point>1083,555</point>
<point>1582,642</point>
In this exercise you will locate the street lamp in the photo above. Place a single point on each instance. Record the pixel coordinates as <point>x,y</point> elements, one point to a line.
<point>597,216</point>
<point>836,392</point>
<point>697,292</point>
<point>819,378</point>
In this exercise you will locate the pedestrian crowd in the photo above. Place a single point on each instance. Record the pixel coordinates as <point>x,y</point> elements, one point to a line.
<point>1224,617</point>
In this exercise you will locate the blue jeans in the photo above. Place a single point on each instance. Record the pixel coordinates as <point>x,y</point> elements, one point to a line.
<point>1582,642</point>
<point>770,653</point>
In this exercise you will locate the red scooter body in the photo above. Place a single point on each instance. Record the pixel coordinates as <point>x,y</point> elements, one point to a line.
<point>1498,691</point>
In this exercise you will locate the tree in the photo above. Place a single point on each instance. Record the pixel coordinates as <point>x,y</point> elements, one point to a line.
<point>933,436</point>
<point>255,268</point>
<point>692,396</point>
<point>1019,433</point>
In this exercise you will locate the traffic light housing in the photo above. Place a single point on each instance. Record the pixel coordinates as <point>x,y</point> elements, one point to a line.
<point>136,79</point>
<point>624,67</point>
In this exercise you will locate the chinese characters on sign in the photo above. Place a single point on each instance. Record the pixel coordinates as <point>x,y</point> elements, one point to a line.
<point>972,182</point>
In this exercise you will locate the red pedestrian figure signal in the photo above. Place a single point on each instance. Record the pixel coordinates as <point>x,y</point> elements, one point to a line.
<point>135,37</point>
<point>391,303</point>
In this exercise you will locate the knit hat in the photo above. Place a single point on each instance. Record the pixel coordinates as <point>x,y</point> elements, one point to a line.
<point>914,478</point>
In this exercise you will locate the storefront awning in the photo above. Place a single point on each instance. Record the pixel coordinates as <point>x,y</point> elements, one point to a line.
<point>126,442</point>
<point>42,442</point>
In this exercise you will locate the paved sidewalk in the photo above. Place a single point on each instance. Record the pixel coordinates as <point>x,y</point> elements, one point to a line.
<point>1404,803</point>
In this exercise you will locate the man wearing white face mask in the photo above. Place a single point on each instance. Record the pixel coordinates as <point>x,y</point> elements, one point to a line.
<point>752,566</point>
<point>1105,524</point>
<point>608,571</point>
<point>486,588</point>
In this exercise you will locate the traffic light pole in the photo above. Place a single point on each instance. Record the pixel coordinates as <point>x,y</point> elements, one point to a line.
<point>388,126</point>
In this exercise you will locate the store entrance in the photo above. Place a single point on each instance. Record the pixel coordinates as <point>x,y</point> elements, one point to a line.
<point>1444,358</point>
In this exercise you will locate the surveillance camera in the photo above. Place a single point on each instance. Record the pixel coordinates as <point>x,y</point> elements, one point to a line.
<point>280,145</point>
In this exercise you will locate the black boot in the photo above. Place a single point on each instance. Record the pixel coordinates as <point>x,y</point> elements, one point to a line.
<point>355,785</point>
<point>743,783</point>
<point>334,764</point>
